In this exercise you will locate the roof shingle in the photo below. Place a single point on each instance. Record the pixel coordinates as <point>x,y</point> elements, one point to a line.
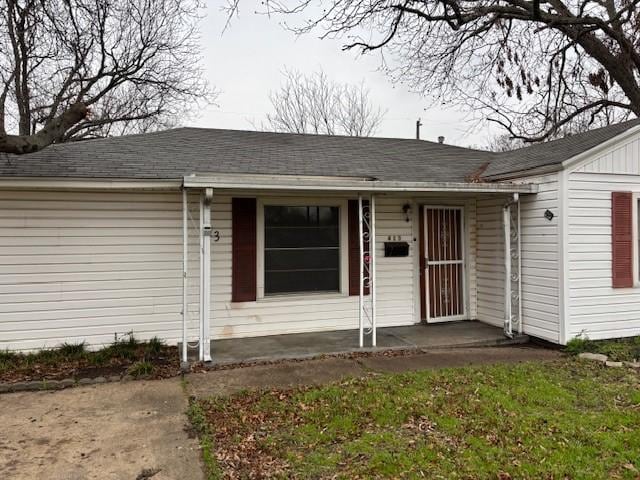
<point>173,154</point>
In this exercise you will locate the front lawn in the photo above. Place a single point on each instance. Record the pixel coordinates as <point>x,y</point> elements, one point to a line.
<point>568,419</point>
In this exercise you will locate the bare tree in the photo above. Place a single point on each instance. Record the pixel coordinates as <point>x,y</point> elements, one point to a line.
<point>76,69</point>
<point>533,67</point>
<point>504,143</point>
<point>315,104</point>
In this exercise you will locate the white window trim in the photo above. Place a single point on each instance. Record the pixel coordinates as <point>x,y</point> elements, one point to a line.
<point>342,204</point>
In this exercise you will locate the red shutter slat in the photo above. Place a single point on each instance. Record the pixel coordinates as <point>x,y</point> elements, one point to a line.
<point>354,250</point>
<point>622,239</point>
<point>243,235</point>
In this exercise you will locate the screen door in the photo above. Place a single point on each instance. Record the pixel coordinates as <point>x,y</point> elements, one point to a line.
<point>444,245</point>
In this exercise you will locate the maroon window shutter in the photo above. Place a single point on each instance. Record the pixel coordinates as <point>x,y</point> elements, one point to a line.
<point>622,239</point>
<point>243,251</point>
<point>354,250</point>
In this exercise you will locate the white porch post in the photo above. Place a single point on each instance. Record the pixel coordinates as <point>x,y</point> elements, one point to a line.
<point>206,198</point>
<point>372,267</point>
<point>512,267</point>
<point>367,246</point>
<point>361,265</point>
<point>185,266</point>
<point>506,220</point>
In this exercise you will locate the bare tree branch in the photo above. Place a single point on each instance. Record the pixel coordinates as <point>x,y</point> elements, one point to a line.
<point>315,104</point>
<point>133,64</point>
<point>536,68</point>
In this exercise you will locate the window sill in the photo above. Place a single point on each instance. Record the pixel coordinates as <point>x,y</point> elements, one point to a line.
<point>301,296</point>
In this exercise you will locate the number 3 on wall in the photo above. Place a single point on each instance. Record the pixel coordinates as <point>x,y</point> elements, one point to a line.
<point>216,236</point>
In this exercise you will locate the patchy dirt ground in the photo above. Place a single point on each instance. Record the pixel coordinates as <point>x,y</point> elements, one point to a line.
<point>112,431</point>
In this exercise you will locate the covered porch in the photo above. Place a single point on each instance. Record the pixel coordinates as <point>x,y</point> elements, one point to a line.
<point>417,266</point>
<point>309,345</point>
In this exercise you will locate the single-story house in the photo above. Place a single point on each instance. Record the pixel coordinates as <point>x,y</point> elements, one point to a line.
<point>203,234</point>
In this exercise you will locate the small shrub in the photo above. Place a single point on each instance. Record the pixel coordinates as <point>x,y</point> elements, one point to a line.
<point>141,368</point>
<point>8,360</point>
<point>100,358</point>
<point>7,356</point>
<point>73,350</point>
<point>124,349</point>
<point>622,349</point>
<point>617,351</point>
<point>155,346</point>
<point>580,345</point>
<point>44,357</point>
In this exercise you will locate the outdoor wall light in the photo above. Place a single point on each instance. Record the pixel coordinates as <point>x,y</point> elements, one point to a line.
<point>548,215</point>
<point>406,209</point>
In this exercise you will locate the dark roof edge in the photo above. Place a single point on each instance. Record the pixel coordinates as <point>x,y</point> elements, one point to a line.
<point>561,165</point>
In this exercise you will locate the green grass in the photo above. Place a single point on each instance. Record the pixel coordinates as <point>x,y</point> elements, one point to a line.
<point>199,422</point>
<point>565,420</point>
<point>623,349</point>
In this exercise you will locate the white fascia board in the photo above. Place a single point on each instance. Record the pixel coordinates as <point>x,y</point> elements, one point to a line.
<point>46,183</point>
<point>352,184</point>
<point>576,160</point>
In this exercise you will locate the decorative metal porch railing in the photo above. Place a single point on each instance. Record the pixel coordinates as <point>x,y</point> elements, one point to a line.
<point>513,267</point>
<point>367,235</point>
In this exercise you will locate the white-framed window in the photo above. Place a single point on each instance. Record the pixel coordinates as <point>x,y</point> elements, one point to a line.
<point>301,246</point>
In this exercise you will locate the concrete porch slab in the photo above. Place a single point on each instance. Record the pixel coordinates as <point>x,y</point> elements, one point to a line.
<point>308,345</point>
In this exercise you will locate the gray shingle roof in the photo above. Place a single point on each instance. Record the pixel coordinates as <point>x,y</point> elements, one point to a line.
<point>172,154</point>
<point>555,152</point>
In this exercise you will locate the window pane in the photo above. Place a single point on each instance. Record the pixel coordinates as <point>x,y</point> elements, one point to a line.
<point>301,259</point>
<point>290,282</point>
<point>302,249</point>
<point>292,237</point>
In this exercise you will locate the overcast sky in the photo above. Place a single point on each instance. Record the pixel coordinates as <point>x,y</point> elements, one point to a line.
<point>246,62</point>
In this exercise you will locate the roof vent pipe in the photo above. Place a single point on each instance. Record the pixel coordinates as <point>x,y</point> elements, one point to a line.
<point>440,139</point>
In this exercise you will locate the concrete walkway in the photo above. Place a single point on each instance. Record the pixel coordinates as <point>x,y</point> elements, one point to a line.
<point>324,370</point>
<point>111,431</point>
<point>307,345</point>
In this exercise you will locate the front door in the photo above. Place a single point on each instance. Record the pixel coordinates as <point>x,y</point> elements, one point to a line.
<point>445,272</point>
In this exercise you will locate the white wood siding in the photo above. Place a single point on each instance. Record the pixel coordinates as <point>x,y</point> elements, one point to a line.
<point>595,308</point>
<point>89,265</point>
<point>84,266</point>
<point>539,241</point>
<point>490,260</point>
<point>620,159</point>
<point>541,259</point>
